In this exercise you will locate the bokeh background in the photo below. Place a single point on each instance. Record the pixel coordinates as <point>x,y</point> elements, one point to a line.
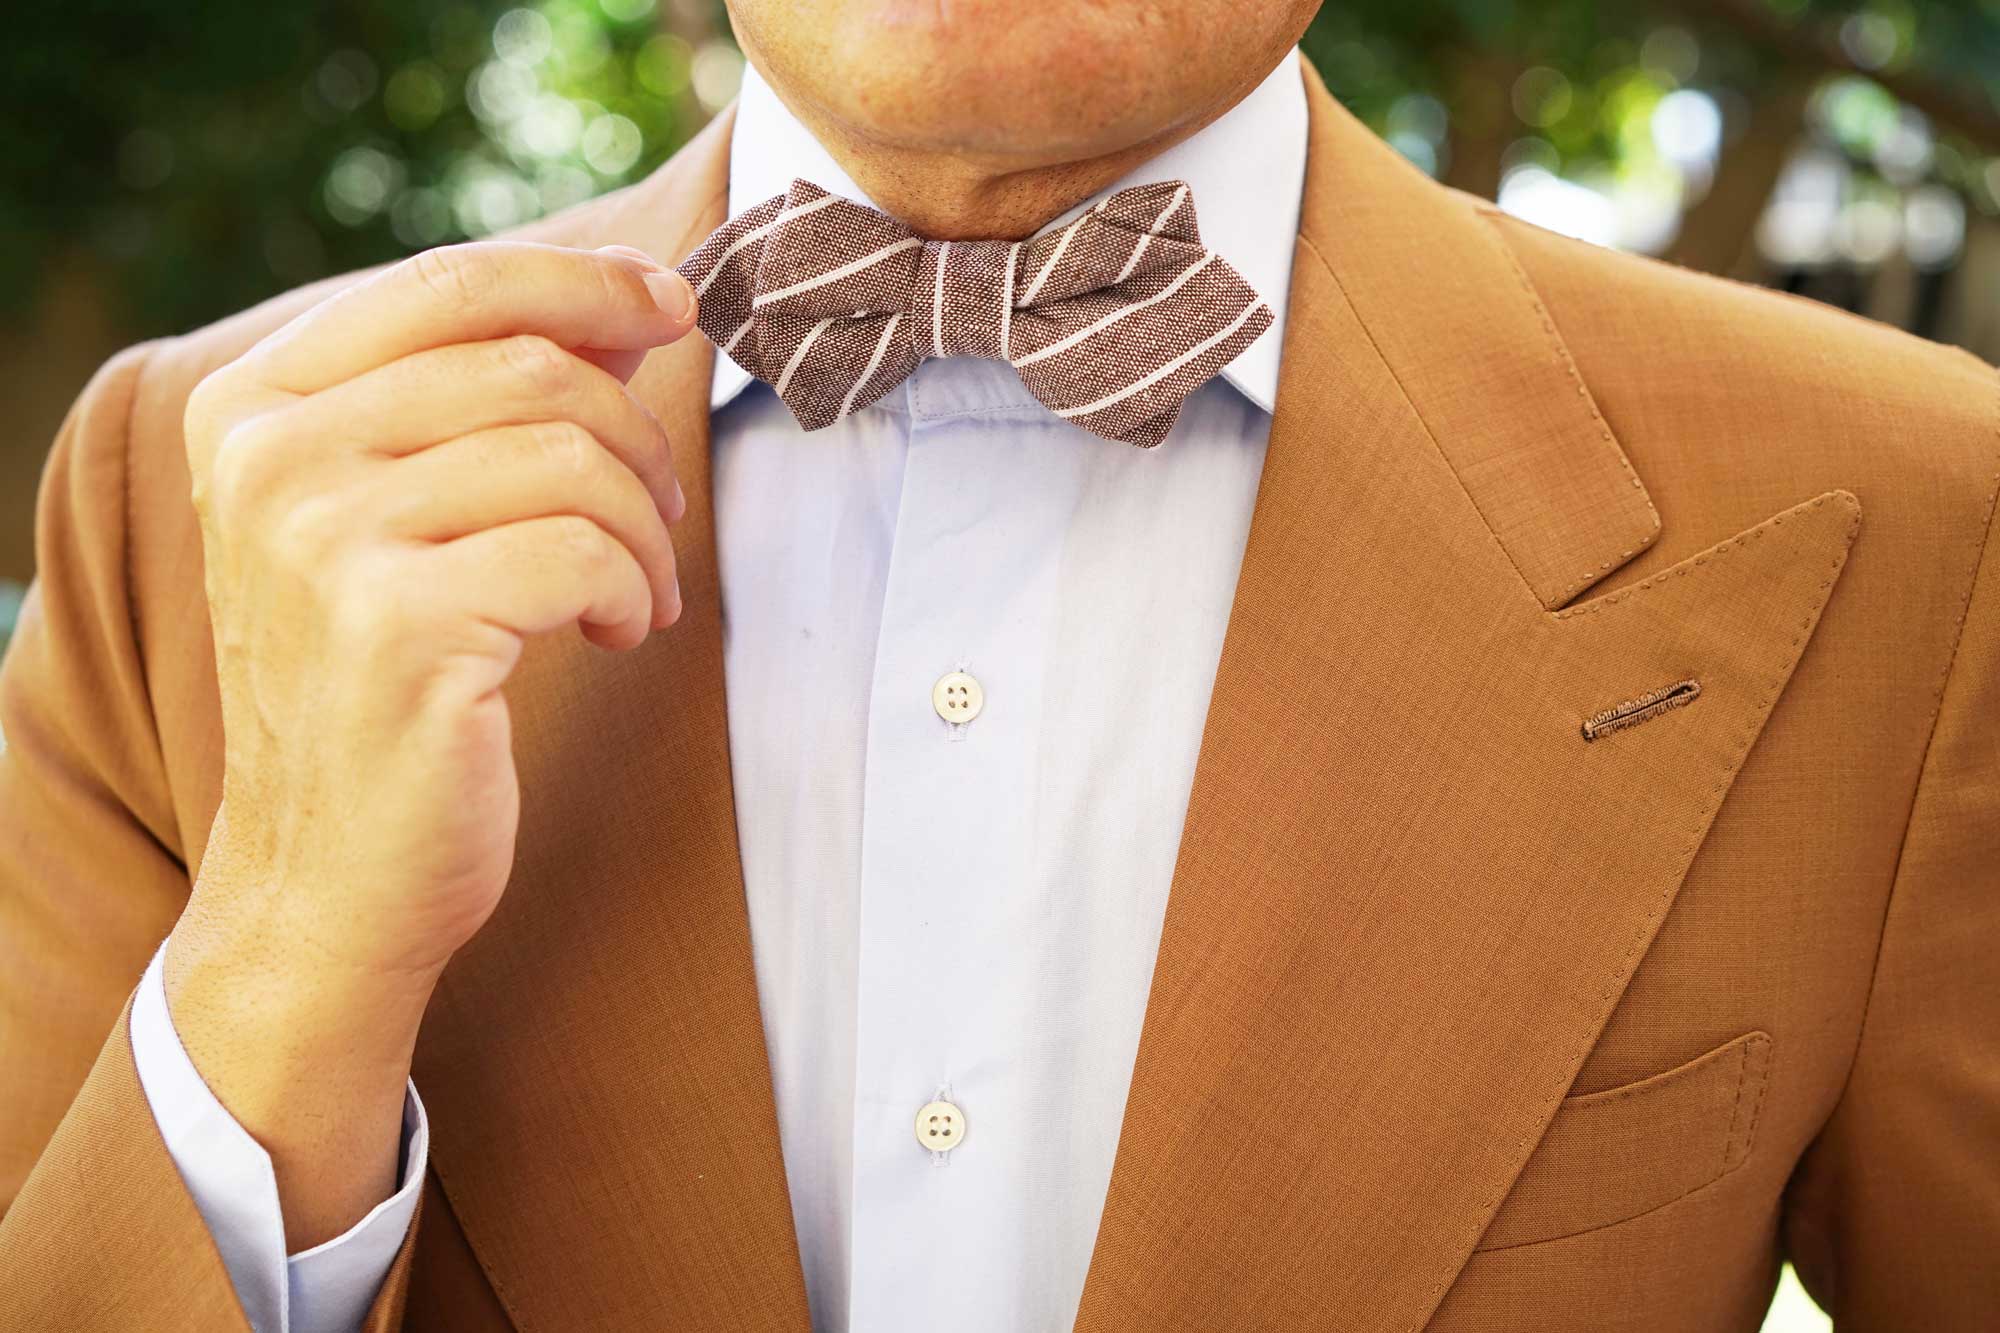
<point>166,163</point>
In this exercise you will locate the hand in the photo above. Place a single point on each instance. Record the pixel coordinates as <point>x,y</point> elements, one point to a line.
<point>394,491</point>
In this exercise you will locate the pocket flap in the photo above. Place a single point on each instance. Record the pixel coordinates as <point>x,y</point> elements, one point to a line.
<point>1612,1155</point>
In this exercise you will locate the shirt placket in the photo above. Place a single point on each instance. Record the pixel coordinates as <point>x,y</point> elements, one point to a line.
<point>947,832</point>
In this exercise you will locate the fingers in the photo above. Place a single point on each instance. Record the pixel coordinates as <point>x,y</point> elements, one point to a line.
<point>467,405</point>
<point>621,364</point>
<point>492,478</point>
<point>610,301</point>
<point>412,403</point>
<point>541,574</point>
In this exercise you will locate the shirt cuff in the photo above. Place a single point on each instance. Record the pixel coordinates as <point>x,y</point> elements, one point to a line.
<point>326,1289</point>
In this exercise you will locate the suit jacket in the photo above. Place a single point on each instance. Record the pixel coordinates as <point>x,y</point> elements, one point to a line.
<point>1460,1020</point>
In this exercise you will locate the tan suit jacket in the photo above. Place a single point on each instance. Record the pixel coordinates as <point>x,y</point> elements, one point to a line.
<point>1460,1021</point>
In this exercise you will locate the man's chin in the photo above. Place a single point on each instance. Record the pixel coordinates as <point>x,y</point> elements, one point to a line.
<point>1020,82</point>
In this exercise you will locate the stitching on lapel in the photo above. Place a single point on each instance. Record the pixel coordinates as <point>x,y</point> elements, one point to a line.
<point>1493,217</point>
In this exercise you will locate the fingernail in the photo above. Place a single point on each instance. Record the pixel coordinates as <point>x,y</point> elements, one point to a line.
<point>680,501</point>
<point>671,293</point>
<point>631,252</point>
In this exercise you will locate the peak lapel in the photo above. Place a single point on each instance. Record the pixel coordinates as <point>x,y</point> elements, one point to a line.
<point>594,1062</point>
<point>1409,892</point>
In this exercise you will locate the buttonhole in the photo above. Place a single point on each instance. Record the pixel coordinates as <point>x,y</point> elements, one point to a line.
<point>1647,706</point>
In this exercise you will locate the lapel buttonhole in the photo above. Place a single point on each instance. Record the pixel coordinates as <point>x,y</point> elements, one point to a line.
<point>1634,711</point>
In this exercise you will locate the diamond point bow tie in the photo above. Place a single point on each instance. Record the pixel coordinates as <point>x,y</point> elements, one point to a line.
<point>1111,321</point>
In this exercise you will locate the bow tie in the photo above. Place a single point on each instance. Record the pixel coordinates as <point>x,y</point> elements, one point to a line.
<point>1110,321</point>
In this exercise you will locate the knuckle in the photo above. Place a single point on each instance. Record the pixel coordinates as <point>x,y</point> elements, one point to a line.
<point>457,276</point>
<point>370,606</point>
<point>538,365</point>
<point>656,548</point>
<point>622,285</point>
<point>570,450</point>
<point>585,542</point>
<point>202,415</point>
<point>304,534</point>
<point>659,453</point>
<point>641,443</point>
<point>239,473</point>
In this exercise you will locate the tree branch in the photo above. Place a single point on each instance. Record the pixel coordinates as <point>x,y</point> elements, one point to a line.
<point>1810,45</point>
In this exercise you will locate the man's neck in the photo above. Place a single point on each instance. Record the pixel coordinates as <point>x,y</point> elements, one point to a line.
<point>962,198</point>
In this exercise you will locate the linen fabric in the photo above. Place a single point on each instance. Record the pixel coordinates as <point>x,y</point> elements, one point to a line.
<point>1110,322</point>
<point>1457,1020</point>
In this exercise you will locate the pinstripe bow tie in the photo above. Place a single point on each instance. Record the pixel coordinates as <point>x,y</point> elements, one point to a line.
<point>1110,321</point>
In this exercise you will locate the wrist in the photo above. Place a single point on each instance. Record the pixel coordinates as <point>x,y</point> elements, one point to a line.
<point>264,988</point>
<point>311,1056</point>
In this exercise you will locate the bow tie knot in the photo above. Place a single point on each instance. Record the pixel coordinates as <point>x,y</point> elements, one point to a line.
<point>962,301</point>
<point>1110,321</point>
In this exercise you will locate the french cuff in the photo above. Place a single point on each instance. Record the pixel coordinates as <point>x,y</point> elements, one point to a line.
<point>326,1289</point>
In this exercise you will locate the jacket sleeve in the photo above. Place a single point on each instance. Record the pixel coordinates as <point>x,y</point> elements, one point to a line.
<point>1893,1218</point>
<point>99,1232</point>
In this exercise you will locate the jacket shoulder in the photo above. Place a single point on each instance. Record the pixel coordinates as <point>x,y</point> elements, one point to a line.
<point>1728,384</point>
<point>1735,402</point>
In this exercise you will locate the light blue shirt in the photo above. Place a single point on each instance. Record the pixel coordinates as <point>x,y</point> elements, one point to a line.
<point>960,910</point>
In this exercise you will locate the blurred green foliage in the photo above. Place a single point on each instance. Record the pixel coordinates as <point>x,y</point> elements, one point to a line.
<point>1578,87</point>
<point>209,154</point>
<point>216,152</point>
<point>1375,51</point>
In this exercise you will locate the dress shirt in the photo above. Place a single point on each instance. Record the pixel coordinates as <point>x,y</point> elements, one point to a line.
<point>959,910</point>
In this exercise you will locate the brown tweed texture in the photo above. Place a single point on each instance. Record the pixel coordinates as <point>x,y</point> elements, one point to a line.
<point>1111,322</point>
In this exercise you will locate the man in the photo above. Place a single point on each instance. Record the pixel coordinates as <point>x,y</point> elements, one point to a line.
<point>1471,829</point>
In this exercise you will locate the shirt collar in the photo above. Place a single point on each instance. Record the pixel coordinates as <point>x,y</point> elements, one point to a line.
<point>1246,170</point>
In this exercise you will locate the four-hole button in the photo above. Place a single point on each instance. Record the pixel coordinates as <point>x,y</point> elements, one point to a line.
<point>940,1126</point>
<point>957,697</point>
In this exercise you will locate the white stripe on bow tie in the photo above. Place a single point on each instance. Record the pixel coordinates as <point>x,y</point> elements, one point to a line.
<point>1063,345</point>
<point>1164,371</point>
<point>755,233</point>
<point>835,275</point>
<point>874,363</point>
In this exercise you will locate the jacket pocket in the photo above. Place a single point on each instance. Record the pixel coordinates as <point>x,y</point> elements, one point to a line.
<point>1612,1155</point>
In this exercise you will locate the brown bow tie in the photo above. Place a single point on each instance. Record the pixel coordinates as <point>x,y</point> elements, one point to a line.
<point>1110,321</point>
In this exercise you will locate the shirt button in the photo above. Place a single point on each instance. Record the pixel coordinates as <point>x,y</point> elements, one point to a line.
<point>957,697</point>
<point>940,1126</point>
